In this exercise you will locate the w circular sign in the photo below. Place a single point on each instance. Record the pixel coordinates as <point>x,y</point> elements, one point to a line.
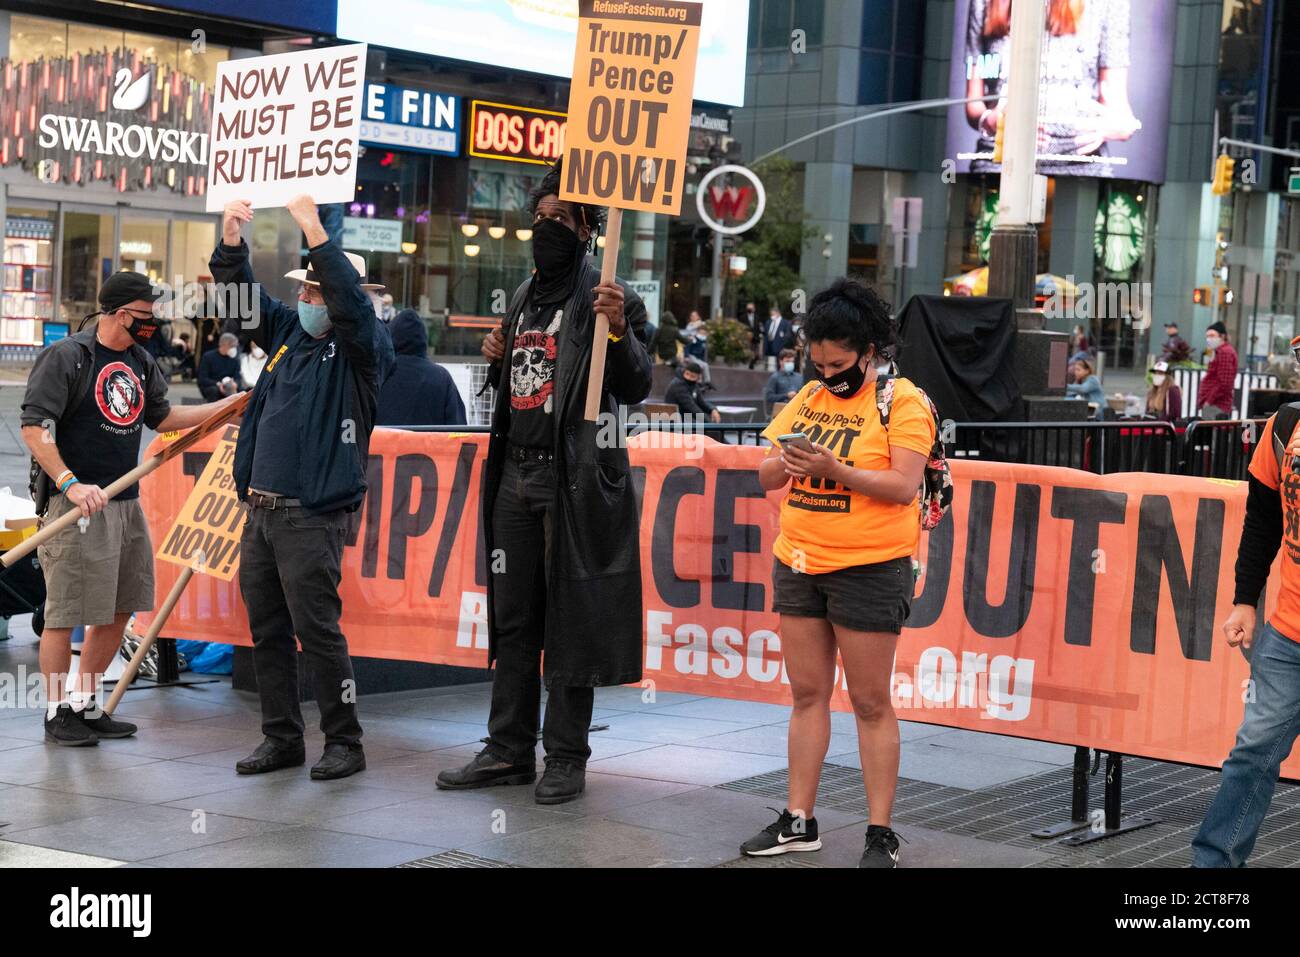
<point>731,199</point>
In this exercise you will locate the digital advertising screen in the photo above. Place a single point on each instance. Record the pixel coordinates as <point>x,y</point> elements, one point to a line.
<point>1107,69</point>
<point>536,36</point>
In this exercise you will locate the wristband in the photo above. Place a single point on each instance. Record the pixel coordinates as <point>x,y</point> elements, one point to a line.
<point>71,482</point>
<point>58,479</point>
<point>614,338</point>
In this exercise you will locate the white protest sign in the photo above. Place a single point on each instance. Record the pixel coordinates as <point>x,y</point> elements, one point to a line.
<point>286,124</point>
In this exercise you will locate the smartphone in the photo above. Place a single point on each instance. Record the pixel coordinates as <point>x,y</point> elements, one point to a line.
<point>797,439</point>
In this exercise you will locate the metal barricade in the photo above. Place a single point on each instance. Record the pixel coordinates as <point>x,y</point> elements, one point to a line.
<point>1221,448</point>
<point>1100,447</point>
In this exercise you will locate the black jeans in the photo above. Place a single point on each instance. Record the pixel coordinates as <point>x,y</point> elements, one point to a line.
<point>289,570</point>
<point>521,528</point>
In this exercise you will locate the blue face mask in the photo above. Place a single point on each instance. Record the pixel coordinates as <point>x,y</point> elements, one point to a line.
<point>314,319</point>
<point>787,367</point>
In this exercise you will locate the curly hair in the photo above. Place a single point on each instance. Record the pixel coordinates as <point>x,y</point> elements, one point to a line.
<point>586,214</point>
<point>852,313</point>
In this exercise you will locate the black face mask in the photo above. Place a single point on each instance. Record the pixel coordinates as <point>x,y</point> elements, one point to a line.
<point>555,248</point>
<point>844,385</point>
<point>141,330</point>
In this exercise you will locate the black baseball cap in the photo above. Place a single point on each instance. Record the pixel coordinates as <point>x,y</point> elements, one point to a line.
<point>125,286</point>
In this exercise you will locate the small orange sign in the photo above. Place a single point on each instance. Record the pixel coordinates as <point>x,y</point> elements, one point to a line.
<point>205,535</point>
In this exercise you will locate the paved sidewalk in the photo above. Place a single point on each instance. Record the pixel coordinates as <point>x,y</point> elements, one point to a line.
<point>678,781</point>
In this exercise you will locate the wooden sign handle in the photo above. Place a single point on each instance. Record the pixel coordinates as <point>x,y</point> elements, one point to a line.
<point>596,375</point>
<point>148,640</point>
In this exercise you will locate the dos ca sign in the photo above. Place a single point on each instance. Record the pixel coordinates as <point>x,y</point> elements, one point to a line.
<point>630,104</point>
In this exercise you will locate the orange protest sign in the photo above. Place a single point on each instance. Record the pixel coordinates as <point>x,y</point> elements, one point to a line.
<point>205,535</point>
<point>630,104</point>
<point>1055,604</point>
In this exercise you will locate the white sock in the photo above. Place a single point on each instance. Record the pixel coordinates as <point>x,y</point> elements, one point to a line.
<point>53,708</point>
<point>79,699</point>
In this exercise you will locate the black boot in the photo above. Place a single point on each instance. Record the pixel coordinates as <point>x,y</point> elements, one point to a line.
<point>273,755</point>
<point>68,730</point>
<point>339,761</point>
<point>485,771</point>
<point>563,781</point>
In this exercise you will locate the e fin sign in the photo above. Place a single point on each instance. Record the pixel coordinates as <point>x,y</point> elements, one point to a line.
<point>630,104</point>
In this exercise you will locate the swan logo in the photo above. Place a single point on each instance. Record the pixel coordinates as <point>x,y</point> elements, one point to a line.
<point>130,94</point>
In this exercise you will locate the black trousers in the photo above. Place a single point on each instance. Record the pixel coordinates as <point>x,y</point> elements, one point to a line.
<point>521,529</point>
<point>289,572</point>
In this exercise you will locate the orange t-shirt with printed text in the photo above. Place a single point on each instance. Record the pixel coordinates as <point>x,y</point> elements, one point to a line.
<point>826,527</point>
<point>1264,466</point>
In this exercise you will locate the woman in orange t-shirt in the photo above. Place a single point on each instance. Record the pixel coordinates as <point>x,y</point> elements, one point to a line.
<point>842,574</point>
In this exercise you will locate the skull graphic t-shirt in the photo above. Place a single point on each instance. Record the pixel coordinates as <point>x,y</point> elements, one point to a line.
<point>532,376</point>
<point>100,440</point>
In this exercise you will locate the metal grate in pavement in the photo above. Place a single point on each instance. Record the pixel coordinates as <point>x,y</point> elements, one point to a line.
<point>1007,813</point>
<point>455,859</point>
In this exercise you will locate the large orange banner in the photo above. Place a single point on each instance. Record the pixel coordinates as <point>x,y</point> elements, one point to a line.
<point>1054,604</point>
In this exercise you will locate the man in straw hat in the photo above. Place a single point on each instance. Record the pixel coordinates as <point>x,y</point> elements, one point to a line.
<point>300,463</point>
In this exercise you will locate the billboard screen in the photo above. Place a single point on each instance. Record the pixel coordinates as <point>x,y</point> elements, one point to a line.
<point>536,36</point>
<point>1107,68</point>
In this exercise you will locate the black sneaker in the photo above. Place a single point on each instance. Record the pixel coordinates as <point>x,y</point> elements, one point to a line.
<point>68,730</point>
<point>881,848</point>
<point>104,725</point>
<point>787,833</point>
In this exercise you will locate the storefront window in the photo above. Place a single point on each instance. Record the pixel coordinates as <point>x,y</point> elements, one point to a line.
<point>87,248</point>
<point>26,284</point>
<point>446,239</point>
<point>143,247</point>
<point>34,38</point>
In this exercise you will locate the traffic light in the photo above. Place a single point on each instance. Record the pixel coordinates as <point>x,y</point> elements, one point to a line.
<point>1223,167</point>
<point>1225,296</point>
<point>1202,296</point>
<point>997,140</point>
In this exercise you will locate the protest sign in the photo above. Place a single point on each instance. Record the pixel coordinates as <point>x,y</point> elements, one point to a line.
<point>205,535</point>
<point>1054,604</point>
<point>286,124</point>
<point>629,124</point>
<point>630,104</point>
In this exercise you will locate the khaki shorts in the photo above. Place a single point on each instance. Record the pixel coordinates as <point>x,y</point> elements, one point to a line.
<point>92,576</point>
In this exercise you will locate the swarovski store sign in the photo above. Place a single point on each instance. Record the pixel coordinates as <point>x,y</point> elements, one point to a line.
<point>107,116</point>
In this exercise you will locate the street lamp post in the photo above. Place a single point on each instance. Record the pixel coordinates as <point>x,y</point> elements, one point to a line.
<point>1013,247</point>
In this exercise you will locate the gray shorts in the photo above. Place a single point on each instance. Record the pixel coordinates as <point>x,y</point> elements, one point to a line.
<point>92,576</point>
<point>862,598</point>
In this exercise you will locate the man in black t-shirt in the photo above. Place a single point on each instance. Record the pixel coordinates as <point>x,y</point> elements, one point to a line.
<point>88,399</point>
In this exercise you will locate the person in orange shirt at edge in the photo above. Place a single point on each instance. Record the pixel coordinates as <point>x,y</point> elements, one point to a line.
<point>842,574</point>
<point>1271,721</point>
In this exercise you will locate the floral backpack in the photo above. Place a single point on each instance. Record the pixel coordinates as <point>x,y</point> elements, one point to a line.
<point>935,496</point>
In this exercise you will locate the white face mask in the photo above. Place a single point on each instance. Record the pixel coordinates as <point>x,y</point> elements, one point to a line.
<point>231,353</point>
<point>1213,342</point>
<point>1158,379</point>
<point>257,353</point>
